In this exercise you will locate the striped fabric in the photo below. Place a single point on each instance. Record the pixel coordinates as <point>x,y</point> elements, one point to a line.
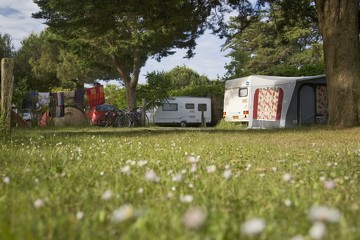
<point>57,104</point>
<point>95,95</point>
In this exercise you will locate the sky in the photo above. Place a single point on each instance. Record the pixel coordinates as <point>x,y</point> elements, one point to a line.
<point>15,20</point>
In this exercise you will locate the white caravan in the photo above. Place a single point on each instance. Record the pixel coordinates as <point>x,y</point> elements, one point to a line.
<point>237,100</point>
<point>183,111</point>
<point>273,101</point>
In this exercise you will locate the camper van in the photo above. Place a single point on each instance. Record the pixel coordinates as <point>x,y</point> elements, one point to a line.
<point>183,111</point>
<point>276,102</point>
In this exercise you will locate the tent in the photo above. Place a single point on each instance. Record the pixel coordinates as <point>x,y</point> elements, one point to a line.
<point>276,102</point>
<point>73,117</point>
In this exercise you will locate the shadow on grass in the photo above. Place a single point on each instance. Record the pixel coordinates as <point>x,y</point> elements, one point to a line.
<point>133,132</point>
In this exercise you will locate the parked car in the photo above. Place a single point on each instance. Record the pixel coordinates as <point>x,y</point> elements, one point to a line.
<point>95,112</point>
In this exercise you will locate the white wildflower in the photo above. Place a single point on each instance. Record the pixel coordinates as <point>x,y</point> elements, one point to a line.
<point>79,215</point>
<point>173,188</point>
<point>186,199</point>
<point>131,162</point>
<point>6,180</point>
<point>177,178</point>
<point>194,218</point>
<point>322,178</point>
<point>126,170</point>
<point>248,167</point>
<point>297,237</point>
<point>253,226</point>
<point>38,203</point>
<point>227,173</point>
<point>286,177</point>
<point>169,195</point>
<point>318,230</point>
<point>287,202</point>
<point>151,176</point>
<point>192,158</point>
<point>274,169</point>
<point>140,190</point>
<point>323,213</point>
<point>193,168</point>
<point>123,213</point>
<point>102,173</point>
<point>107,195</point>
<point>329,185</point>
<point>211,169</point>
<point>191,185</point>
<point>142,163</point>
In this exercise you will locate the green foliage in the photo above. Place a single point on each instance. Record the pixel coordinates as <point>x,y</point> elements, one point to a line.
<point>182,76</point>
<point>156,90</point>
<point>44,62</point>
<point>180,81</point>
<point>116,96</point>
<point>275,44</point>
<point>36,63</point>
<point>6,46</point>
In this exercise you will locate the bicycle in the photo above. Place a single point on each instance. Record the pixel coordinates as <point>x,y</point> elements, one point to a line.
<point>107,119</point>
<point>135,118</point>
<point>122,118</point>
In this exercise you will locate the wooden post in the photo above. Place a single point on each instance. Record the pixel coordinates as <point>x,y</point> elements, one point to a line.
<point>203,120</point>
<point>7,85</point>
<point>143,113</point>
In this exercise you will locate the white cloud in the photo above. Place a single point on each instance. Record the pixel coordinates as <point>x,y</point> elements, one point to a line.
<point>16,20</point>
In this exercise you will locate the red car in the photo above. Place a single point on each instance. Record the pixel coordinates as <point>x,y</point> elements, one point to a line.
<point>95,112</point>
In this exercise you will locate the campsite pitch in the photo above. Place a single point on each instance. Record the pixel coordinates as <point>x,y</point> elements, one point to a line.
<point>224,183</point>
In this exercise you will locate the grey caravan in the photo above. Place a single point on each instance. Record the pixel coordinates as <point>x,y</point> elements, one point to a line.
<point>183,111</point>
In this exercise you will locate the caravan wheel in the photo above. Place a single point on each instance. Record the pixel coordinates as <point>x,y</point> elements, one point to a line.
<point>183,124</point>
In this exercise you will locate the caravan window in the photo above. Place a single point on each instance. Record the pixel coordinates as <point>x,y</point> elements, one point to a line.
<point>202,107</point>
<point>170,107</point>
<point>243,92</point>
<point>189,106</point>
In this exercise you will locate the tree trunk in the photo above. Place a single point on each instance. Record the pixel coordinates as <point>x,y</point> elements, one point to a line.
<point>7,83</point>
<point>339,26</point>
<point>130,82</point>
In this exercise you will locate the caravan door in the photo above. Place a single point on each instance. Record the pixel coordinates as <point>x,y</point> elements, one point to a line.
<point>307,107</point>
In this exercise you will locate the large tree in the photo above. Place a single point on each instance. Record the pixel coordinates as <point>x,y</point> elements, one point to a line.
<point>128,32</point>
<point>339,23</point>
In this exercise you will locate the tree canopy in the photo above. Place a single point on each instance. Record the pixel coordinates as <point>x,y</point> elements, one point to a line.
<point>271,44</point>
<point>128,32</point>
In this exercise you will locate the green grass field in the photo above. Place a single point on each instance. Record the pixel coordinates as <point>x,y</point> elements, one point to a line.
<point>163,183</point>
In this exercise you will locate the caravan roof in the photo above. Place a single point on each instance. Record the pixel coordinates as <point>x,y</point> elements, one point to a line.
<point>261,80</point>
